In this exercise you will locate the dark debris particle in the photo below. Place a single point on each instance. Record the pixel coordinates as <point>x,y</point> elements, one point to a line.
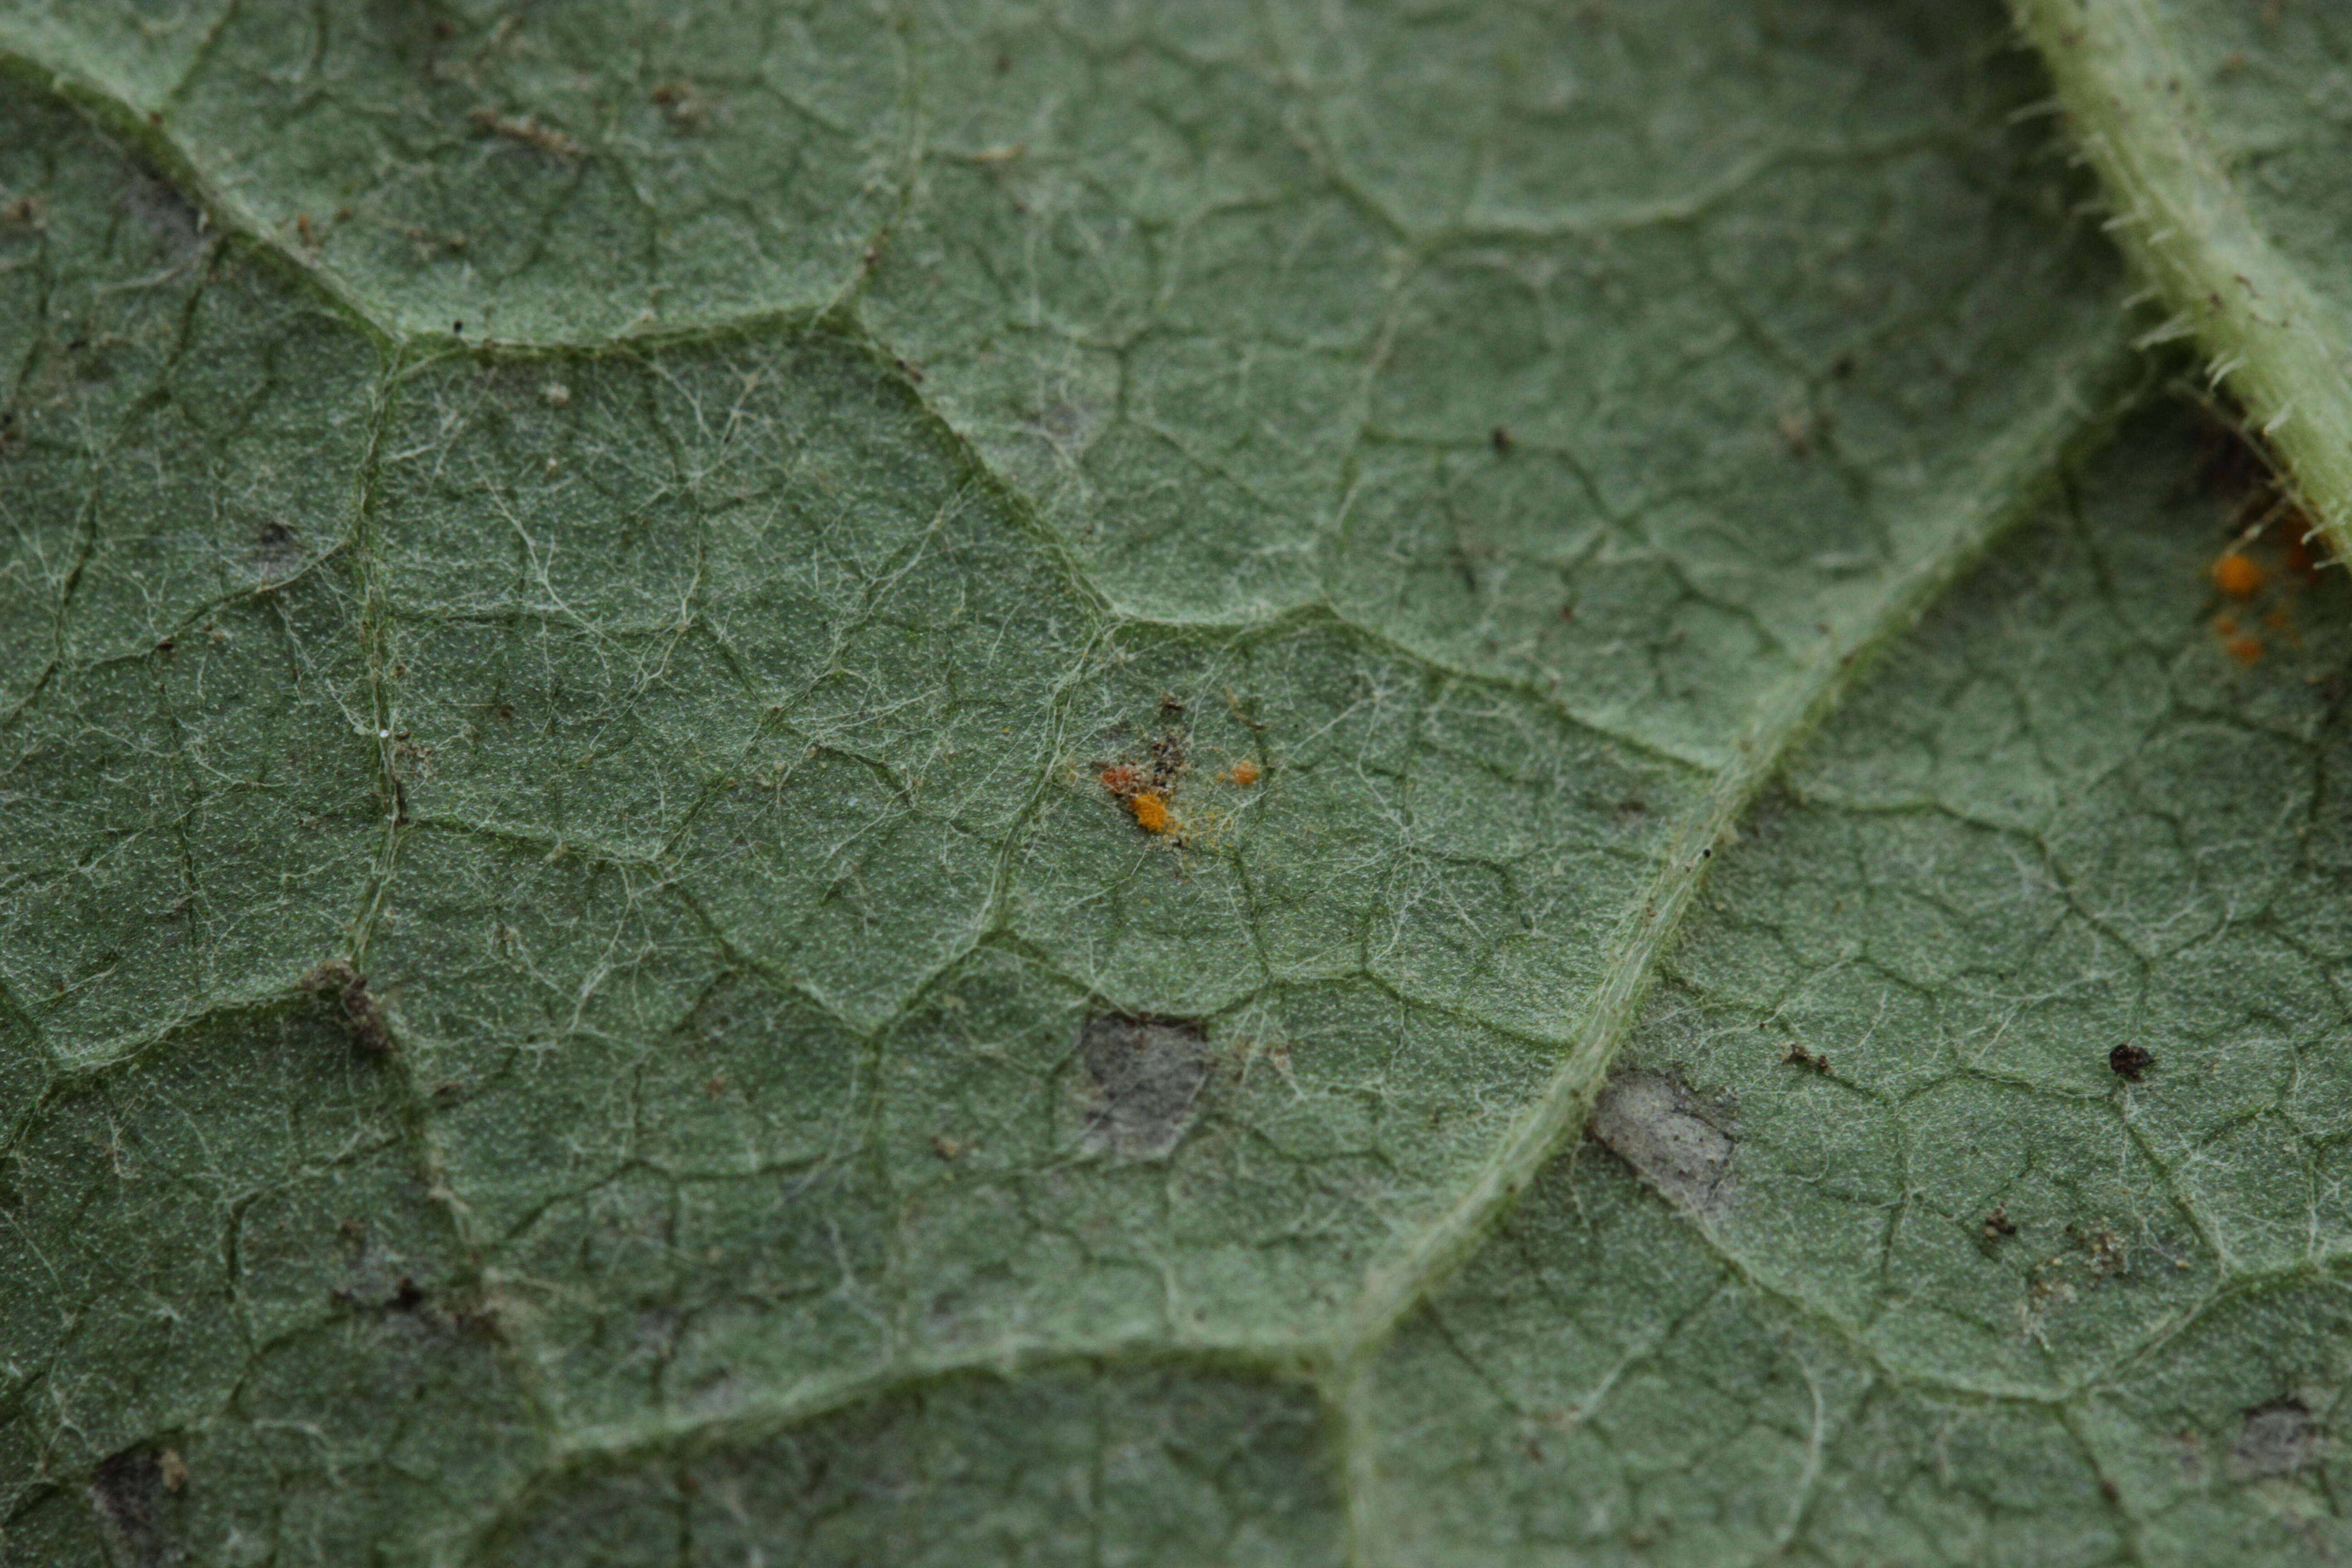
<point>407,1296</point>
<point>1998,1224</point>
<point>362,1014</point>
<point>1144,1079</point>
<point>2130,1061</point>
<point>1797,1056</point>
<point>1501,438</point>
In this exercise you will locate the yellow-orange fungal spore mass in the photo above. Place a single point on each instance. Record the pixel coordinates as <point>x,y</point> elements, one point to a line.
<point>2237,575</point>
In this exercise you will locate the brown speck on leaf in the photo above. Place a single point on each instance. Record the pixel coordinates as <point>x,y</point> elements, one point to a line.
<point>1842,367</point>
<point>1998,1224</point>
<point>678,100</point>
<point>2108,1251</point>
<point>945,1147</point>
<point>362,1014</point>
<point>407,1296</point>
<point>914,372</point>
<point>306,231</point>
<point>173,1470</point>
<point>714,1086</point>
<point>1797,433</point>
<point>1501,438</point>
<point>1240,713</point>
<point>2130,1061</point>
<point>1797,1056</point>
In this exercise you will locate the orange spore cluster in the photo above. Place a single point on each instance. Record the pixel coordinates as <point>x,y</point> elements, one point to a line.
<point>2244,649</point>
<point>1244,772</point>
<point>2237,575</point>
<point>1150,812</point>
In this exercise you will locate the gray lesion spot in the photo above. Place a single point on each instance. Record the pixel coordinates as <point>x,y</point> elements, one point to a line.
<point>2278,1439</point>
<point>128,1491</point>
<point>1673,1139</point>
<point>1142,1078</point>
<point>278,553</point>
<point>159,204</point>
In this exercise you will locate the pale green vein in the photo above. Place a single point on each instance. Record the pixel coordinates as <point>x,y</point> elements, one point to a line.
<point>2010,480</point>
<point>2134,108</point>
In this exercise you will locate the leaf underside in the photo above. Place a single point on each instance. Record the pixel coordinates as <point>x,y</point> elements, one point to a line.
<point>886,785</point>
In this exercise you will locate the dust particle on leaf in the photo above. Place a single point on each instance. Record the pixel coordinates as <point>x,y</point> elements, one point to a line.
<point>1798,1055</point>
<point>2277,1439</point>
<point>2130,1061</point>
<point>1672,1139</point>
<point>1143,1081</point>
<point>526,130</point>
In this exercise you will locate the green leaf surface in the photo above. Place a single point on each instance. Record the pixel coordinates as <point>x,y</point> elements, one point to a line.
<point>1061,786</point>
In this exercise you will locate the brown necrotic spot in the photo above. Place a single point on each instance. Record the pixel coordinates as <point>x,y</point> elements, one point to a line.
<point>1674,1140</point>
<point>1143,1079</point>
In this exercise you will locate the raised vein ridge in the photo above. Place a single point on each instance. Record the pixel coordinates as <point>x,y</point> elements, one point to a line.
<point>2130,102</point>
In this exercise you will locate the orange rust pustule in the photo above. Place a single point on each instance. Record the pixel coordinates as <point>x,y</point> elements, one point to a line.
<point>2245,650</point>
<point>1150,812</point>
<point>2237,575</point>
<point>1244,772</point>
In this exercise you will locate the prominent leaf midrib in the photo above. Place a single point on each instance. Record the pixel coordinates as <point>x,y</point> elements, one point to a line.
<point>2011,479</point>
<point>2008,483</point>
<point>2132,104</point>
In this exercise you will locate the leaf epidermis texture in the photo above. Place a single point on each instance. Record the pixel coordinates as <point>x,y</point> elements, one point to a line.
<point>677,550</point>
